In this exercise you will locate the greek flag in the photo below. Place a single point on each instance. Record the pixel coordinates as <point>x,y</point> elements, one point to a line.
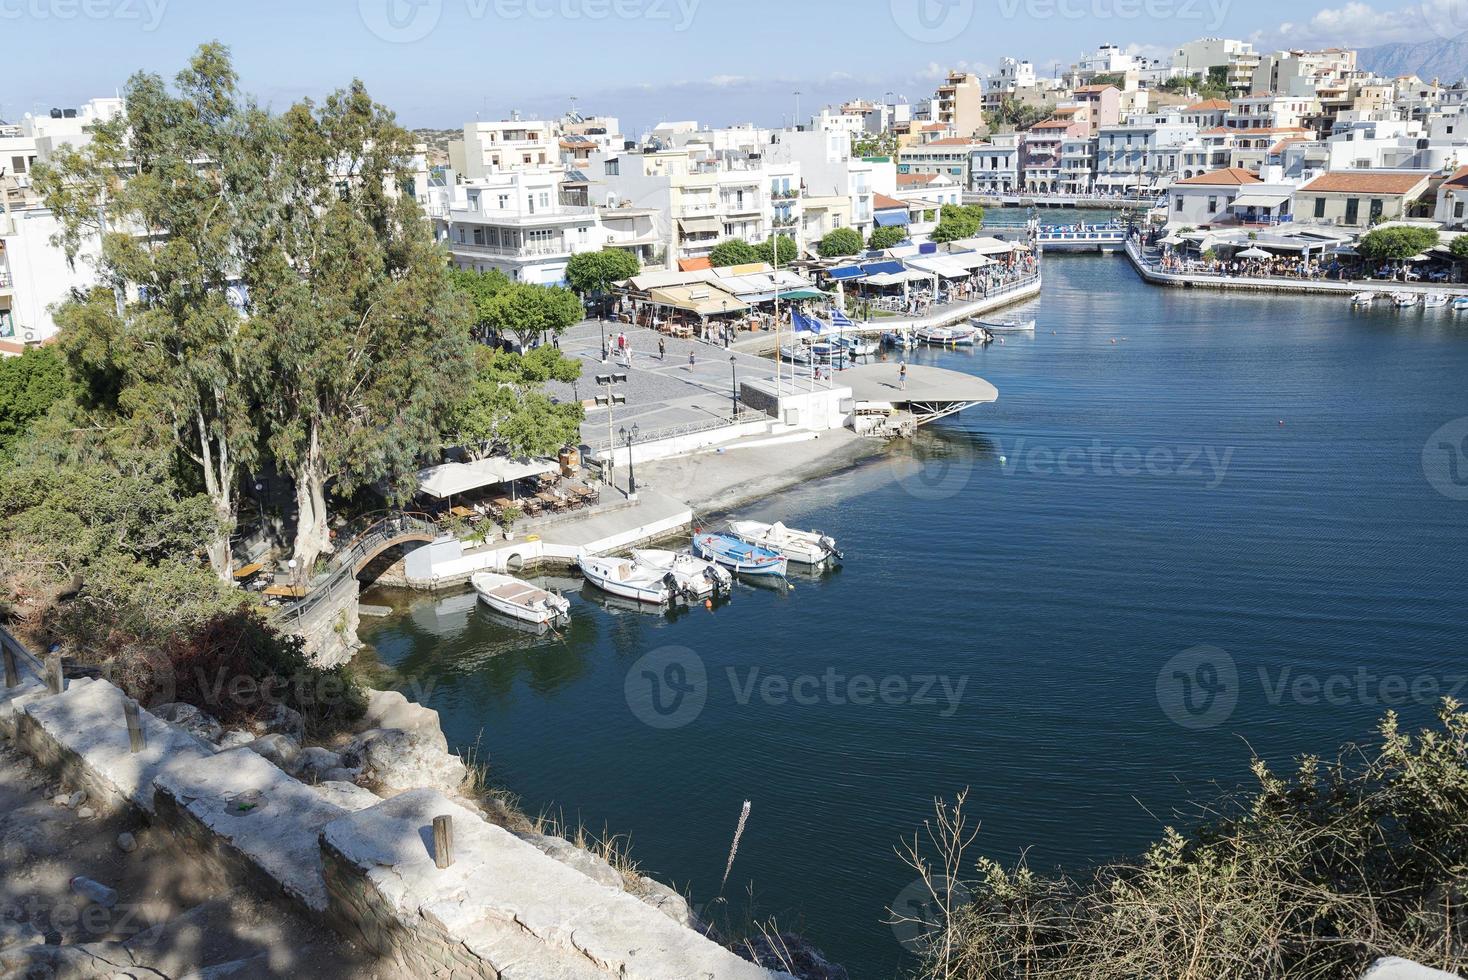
<point>840,320</point>
<point>806,324</point>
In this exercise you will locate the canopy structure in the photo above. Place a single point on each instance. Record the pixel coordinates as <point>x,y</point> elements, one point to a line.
<point>1259,199</point>
<point>703,299</point>
<point>1254,253</point>
<point>694,226</point>
<point>890,219</point>
<point>968,260</point>
<point>803,294</point>
<point>877,268</point>
<point>659,278</point>
<point>986,246</point>
<point>898,278</point>
<point>941,266</point>
<point>450,478</point>
<point>845,272</point>
<point>1172,240</point>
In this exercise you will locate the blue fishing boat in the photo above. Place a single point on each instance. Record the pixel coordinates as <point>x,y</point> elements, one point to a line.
<point>738,556</point>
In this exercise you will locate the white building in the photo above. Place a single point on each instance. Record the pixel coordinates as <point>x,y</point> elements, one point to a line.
<point>1198,58</point>
<point>505,145</point>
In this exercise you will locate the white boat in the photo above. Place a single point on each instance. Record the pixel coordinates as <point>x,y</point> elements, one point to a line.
<point>947,336</point>
<point>1460,304</point>
<point>901,340</point>
<point>1007,326</point>
<point>519,599</point>
<point>1403,301</point>
<point>1364,299</point>
<point>856,346</point>
<point>624,577</point>
<point>697,579</point>
<point>806,547</point>
<point>1434,300</point>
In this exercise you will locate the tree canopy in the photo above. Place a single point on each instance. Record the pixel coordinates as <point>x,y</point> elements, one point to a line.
<point>887,237</point>
<point>506,409</point>
<point>781,250</point>
<point>593,273</point>
<point>957,221</point>
<point>532,313</point>
<point>29,385</point>
<point>839,242</point>
<point>733,251</point>
<point>1397,243</point>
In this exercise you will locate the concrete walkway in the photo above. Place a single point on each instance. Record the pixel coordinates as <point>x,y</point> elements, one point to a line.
<point>1151,273</point>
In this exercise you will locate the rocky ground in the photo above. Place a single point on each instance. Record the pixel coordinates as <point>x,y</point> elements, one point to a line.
<point>153,914</point>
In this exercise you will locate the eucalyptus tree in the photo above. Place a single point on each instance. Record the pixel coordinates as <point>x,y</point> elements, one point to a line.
<point>161,189</point>
<point>363,340</point>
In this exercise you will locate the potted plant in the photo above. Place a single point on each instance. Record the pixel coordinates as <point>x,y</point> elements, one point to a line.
<point>506,520</point>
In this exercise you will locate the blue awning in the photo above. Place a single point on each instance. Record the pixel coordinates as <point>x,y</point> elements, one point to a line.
<point>891,219</point>
<point>877,268</point>
<point>846,272</point>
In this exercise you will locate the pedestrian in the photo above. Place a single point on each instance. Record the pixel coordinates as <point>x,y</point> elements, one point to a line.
<point>902,374</point>
<point>662,349</point>
<point>690,361</point>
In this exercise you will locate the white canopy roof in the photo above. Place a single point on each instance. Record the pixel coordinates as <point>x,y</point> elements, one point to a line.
<point>941,265</point>
<point>969,260</point>
<point>451,478</point>
<point>984,246</point>
<point>897,278</point>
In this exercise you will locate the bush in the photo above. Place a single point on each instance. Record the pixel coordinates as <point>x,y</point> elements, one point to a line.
<point>887,237</point>
<point>1313,875</point>
<point>733,251</point>
<point>1398,243</point>
<point>839,242</point>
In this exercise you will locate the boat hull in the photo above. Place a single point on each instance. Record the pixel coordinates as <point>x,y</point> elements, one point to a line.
<point>652,592</point>
<point>520,600</point>
<point>739,556</point>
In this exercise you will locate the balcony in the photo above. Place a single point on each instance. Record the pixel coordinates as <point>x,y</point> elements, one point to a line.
<point>750,205</point>
<point>694,210</point>
<point>535,251</point>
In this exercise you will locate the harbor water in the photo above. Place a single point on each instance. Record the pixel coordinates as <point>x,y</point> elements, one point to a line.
<point>1193,526</point>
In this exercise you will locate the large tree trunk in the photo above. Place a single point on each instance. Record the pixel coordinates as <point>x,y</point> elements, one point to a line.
<point>219,483</point>
<point>312,537</point>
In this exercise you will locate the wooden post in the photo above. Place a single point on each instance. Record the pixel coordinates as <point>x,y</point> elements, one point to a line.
<point>443,841</point>
<point>55,683</point>
<point>12,672</point>
<point>137,741</point>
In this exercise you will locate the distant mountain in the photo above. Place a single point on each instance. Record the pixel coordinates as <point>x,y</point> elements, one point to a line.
<point>1445,60</point>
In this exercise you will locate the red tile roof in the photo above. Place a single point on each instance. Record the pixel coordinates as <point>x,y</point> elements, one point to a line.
<point>881,202</point>
<point>1208,105</point>
<point>693,265</point>
<point>915,179</point>
<point>1458,179</point>
<point>1228,177</point>
<point>1350,182</point>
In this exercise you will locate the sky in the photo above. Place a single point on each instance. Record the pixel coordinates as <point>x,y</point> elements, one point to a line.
<point>440,63</point>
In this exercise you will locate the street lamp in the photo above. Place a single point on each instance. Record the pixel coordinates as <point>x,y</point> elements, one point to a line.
<point>629,436</point>
<point>734,373</point>
<point>610,400</point>
<point>601,321</point>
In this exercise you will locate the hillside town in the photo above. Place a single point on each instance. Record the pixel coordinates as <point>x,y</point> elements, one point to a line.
<point>1219,135</point>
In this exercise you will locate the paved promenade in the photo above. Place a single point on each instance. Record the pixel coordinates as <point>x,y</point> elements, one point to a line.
<point>1328,287</point>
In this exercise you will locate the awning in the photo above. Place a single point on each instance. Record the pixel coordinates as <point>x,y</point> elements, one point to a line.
<point>897,278</point>
<point>877,268</point>
<point>451,478</point>
<point>805,294</point>
<point>985,246</point>
<point>700,226</point>
<point>968,260</point>
<point>890,219</point>
<point>660,278</point>
<point>702,298</point>
<point>1259,200</point>
<point>845,272</point>
<point>941,266</point>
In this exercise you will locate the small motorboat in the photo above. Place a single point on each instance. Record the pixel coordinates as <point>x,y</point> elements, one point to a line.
<point>1404,301</point>
<point>806,547</point>
<point>697,579</point>
<point>1364,299</point>
<point>1460,304</point>
<point>1435,300</point>
<point>738,556</point>
<point>856,346</point>
<point>821,353</point>
<point>624,577</point>
<point>795,353</point>
<point>947,336</point>
<point>519,599</point>
<point>1006,326</point>
<point>901,341</point>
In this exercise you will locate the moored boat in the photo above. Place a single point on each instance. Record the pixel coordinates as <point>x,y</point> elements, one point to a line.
<point>899,340</point>
<point>1403,301</point>
<point>623,577</point>
<point>738,556</point>
<point>947,336</point>
<point>1006,326</point>
<point>519,599</point>
<point>806,547</point>
<point>696,577</point>
<point>1434,300</point>
<point>1364,299</point>
<point>856,346</point>
<point>1460,304</point>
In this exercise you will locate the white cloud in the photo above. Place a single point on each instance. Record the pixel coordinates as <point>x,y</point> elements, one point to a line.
<point>1359,24</point>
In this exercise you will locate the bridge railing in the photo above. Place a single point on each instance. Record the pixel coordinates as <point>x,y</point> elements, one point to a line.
<point>372,534</point>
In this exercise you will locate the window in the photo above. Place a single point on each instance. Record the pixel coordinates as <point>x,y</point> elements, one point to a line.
<point>17,165</point>
<point>1458,210</point>
<point>1212,205</point>
<point>1177,204</point>
<point>478,236</point>
<point>1320,207</point>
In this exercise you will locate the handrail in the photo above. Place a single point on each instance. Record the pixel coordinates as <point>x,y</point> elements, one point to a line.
<point>370,541</point>
<point>22,655</point>
<point>686,429</point>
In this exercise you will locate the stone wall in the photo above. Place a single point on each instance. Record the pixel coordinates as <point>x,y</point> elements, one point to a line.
<point>502,910</point>
<point>329,629</point>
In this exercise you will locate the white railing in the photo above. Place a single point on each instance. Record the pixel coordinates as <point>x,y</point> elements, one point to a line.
<point>510,251</point>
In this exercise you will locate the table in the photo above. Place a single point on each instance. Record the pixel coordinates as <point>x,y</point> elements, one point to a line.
<point>461,512</point>
<point>245,571</point>
<point>287,591</point>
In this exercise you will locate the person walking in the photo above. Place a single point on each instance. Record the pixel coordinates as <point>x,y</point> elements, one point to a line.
<point>662,349</point>
<point>690,361</point>
<point>902,374</point>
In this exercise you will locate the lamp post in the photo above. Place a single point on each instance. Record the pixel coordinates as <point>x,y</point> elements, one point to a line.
<point>610,400</point>
<point>629,436</point>
<point>734,374</point>
<point>601,321</point>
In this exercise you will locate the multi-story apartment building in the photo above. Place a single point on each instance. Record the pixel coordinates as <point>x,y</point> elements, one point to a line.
<point>1142,157</point>
<point>961,104</point>
<point>509,144</point>
<point>1077,164</point>
<point>944,156</point>
<point>1198,58</point>
<point>1271,113</point>
<point>827,170</point>
<point>514,222</point>
<point>994,166</point>
<point>1102,104</point>
<point>1208,114</point>
<point>1040,159</point>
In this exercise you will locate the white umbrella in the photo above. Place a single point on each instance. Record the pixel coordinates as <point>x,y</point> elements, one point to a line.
<point>1170,240</point>
<point>1253,253</point>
